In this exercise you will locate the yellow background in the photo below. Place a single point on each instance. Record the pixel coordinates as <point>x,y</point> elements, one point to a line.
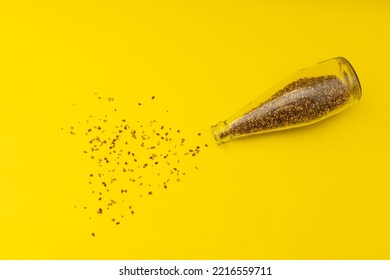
<point>320,192</point>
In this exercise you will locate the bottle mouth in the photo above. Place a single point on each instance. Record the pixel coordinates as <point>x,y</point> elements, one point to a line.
<point>221,132</point>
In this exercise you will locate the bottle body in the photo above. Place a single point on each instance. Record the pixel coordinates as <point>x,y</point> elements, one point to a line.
<point>306,97</point>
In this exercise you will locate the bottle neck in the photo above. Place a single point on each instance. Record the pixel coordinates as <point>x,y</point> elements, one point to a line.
<point>221,132</point>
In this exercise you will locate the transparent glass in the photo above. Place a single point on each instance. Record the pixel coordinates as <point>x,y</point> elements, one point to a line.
<point>306,97</point>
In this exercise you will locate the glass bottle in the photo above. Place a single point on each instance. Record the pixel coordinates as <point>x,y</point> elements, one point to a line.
<point>306,97</point>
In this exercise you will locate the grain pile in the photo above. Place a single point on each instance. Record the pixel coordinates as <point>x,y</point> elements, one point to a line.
<point>132,158</point>
<point>299,102</point>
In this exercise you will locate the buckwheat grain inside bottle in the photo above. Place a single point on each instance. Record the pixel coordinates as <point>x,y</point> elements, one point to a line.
<point>306,97</point>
